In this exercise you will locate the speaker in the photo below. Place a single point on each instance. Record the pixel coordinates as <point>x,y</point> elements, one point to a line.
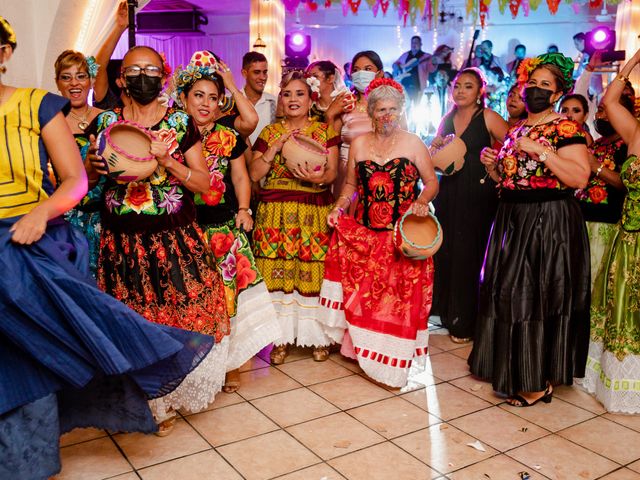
<point>185,22</point>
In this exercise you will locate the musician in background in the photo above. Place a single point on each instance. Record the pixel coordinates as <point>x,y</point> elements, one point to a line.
<point>512,67</point>
<point>412,69</point>
<point>497,86</point>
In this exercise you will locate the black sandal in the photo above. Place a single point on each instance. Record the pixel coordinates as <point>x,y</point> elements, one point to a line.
<point>546,398</point>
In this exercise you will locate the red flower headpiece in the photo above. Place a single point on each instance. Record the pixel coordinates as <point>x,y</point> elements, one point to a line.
<point>378,82</point>
<point>165,65</point>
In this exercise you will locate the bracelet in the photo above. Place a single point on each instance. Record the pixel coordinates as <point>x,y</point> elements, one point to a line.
<point>599,170</point>
<point>622,78</point>
<point>340,210</point>
<point>188,177</point>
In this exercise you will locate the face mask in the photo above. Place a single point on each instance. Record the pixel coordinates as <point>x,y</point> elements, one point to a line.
<point>144,89</point>
<point>537,99</point>
<point>386,123</point>
<point>603,127</point>
<point>361,79</point>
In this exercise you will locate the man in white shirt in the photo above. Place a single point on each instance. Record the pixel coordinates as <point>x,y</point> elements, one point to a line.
<point>255,73</point>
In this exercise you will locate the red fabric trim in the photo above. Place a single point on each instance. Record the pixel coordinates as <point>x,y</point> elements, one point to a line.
<point>260,145</point>
<point>385,359</point>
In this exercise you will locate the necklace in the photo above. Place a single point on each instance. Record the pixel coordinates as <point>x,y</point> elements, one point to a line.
<point>290,128</point>
<point>82,120</point>
<point>524,134</point>
<point>379,153</point>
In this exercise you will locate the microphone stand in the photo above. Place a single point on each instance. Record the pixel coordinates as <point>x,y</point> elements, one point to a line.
<point>476,34</point>
<point>132,5</point>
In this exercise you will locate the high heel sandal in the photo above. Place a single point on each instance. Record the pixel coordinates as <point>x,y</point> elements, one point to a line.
<point>320,354</point>
<point>523,402</point>
<point>166,427</point>
<point>278,354</point>
<point>231,381</point>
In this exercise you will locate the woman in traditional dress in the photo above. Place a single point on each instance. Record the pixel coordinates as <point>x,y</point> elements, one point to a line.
<point>465,207</point>
<point>533,321</point>
<point>613,366</point>
<point>224,216</point>
<point>72,356</point>
<point>601,202</point>
<point>291,235</point>
<point>376,298</point>
<point>153,256</point>
<point>576,107</point>
<point>74,75</point>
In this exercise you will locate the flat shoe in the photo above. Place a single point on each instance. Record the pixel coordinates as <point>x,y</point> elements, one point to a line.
<point>166,427</point>
<point>231,382</point>
<point>460,340</point>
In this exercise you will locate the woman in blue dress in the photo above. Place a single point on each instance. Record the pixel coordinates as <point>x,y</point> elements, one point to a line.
<point>72,356</point>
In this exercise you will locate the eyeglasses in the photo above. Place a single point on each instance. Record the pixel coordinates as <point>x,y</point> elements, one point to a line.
<point>67,77</point>
<point>149,70</point>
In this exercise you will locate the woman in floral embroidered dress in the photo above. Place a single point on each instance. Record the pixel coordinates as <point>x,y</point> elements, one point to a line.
<point>291,235</point>
<point>153,256</point>
<point>613,366</point>
<point>601,202</point>
<point>533,324</point>
<point>378,299</point>
<point>224,215</point>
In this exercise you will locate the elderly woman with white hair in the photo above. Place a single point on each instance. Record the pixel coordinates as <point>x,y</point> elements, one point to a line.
<point>379,298</point>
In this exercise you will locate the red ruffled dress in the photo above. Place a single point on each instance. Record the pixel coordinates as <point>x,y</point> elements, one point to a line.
<point>377,295</point>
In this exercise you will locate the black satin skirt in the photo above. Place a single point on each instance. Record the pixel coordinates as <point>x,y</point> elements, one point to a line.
<point>533,322</point>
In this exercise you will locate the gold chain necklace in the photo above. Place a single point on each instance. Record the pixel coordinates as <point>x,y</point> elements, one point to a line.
<point>526,133</point>
<point>379,154</point>
<point>83,120</point>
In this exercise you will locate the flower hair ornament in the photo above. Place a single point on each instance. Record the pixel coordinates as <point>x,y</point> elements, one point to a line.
<point>165,65</point>
<point>379,82</point>
<point>314,85</point>
<point>564,64</point>
<point>92,67</point>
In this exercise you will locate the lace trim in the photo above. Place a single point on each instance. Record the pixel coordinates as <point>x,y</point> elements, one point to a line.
<point>254,327</point>
<point>392,376</point>
<point>198,389</point>
<point>301,321</point>
<point>615,383</point>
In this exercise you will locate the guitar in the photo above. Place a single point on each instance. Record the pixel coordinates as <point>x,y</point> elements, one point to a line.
<point>400,72</point>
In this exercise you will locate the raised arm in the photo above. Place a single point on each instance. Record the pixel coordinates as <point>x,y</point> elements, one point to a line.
<point>247,120</point>
<point>101,85</point>
<point>621,119</point>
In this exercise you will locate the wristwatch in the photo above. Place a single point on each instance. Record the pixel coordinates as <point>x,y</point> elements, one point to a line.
<point>248,210</point>
<point>543,156</point>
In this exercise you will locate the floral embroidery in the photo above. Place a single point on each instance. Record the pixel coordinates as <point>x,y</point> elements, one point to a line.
<point>518,171</point>
<point>138,196</point>
<point>596,191</point>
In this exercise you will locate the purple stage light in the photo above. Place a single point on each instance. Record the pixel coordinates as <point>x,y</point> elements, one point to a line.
<point>297,39</point>
<point>600,38</point>
<point>297,44</point>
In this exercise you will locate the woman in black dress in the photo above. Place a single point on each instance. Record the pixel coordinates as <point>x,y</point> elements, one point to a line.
<point>465,206</point>
<point>533,315</point>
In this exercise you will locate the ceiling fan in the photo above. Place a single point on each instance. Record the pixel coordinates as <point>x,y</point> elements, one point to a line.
<point>604,15</point>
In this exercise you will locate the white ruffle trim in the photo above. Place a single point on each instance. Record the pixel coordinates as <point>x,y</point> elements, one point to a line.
<point>300,321</point>
<point>198,389</point>
<point>331,304</point>
<point>615,383</point>
<point>385,358</point>
<point>254,327</point>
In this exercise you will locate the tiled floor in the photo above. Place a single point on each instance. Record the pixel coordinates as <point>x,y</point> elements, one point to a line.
<point>325,421</point>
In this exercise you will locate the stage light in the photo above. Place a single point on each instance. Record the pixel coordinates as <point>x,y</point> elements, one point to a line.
<point>297,45</point>
<point>603,39</point>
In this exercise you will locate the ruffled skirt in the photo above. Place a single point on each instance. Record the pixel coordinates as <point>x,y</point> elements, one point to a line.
<point>533,323</point>
<point>254,321</point>
<point>378,299</point>
<point>74,356</point>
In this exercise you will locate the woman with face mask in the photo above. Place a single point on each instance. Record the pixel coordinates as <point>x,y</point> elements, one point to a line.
<point>72,356</point>
<point>533,320</point>
<point>291,235</point>
<point>366,66</point>
<point>377,299</point>
<point>153,256</point>
<point>613,368</point>
<point>465,207</point>
<point>601,202</point>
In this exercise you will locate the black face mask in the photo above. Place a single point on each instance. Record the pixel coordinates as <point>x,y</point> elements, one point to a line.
<point>603,127</point>
<point>537,99</point>
<point>143,88</point>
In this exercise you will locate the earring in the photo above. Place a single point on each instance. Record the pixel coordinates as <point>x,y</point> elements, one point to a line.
<point>478,101</point>
<point>3,69</point>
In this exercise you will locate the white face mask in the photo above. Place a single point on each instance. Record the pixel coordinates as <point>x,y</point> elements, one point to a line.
<point>361,79</point>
